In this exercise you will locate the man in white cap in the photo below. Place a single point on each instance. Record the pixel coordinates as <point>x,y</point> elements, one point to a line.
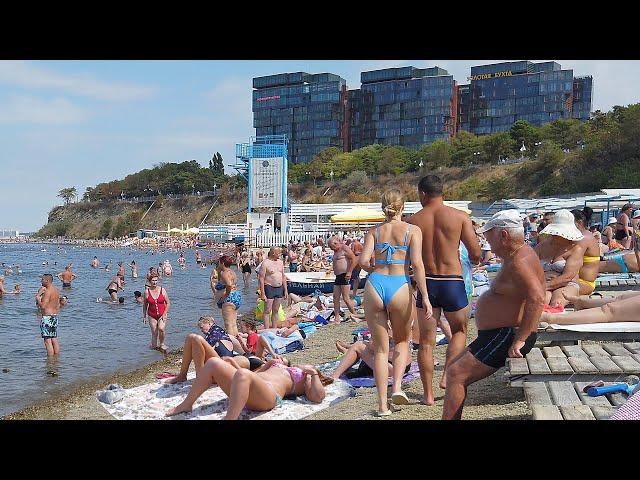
<point>507,315</point>
<point>608,232</point>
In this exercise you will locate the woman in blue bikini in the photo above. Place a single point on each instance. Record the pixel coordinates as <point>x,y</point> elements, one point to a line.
<point>393,245</point>
<point>231,300</point>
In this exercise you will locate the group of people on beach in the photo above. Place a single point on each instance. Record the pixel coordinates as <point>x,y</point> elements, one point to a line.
<point>415,285</point>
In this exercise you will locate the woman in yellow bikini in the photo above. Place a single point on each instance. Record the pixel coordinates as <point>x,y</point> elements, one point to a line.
<point>591,256</point>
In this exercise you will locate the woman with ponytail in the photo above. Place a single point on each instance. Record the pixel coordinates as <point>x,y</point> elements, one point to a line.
<point>394,246</point>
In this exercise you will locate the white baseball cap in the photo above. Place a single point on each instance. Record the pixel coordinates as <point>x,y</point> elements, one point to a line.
<point>636,214</point>
<point>612,220</point>
<point>503,219</point>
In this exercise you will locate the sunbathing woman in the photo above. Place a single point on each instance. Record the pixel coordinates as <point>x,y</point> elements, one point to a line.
<point>622,263</point>
<point>591,252</point>
<point>262,390</point>
<point>198,349</point>
<point>623,308</point>
<point>560,257</point>
<point>362,351</point>
<point>388,295</point>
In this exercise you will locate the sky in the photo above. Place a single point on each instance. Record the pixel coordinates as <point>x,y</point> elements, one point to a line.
<point>79,123</point>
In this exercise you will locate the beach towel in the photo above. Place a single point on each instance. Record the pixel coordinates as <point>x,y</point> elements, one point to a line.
<point>151,401</point>
<point>367,382</point>
<point>600,327</point>
<point>282,345</point>
<point>630,410</point>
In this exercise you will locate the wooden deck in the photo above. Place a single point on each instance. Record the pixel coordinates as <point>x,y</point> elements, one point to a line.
<point>565,400</point>
<point>575,363</point>
<point>619,284</point>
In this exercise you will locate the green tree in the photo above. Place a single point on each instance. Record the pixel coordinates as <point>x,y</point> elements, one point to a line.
<point>497,146</point>
<point>67,194</point>
<point>105,229</point>
<point>466,149</point>
<point>216,164</point>
<point>522,131</point>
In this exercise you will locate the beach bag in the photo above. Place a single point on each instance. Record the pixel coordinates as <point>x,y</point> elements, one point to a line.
<point>112,394</point>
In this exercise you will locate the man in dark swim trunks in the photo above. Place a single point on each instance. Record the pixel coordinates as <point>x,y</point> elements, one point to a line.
<point>67,277</point>
<point>507,315</point>
<point>443,228</point>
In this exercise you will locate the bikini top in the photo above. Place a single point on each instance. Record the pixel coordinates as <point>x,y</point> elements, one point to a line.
<point>391,249</point>
<point>557,266</point>
<point>296,373</point>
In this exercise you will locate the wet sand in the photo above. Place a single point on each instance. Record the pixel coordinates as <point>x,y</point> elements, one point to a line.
<point>490,399</point>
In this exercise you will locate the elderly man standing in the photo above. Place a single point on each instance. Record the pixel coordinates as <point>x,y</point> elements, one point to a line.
<point>507,315</point>
<point>344,261</point>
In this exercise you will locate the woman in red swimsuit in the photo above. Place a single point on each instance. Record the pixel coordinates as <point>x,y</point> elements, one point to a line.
<point>156,308</point>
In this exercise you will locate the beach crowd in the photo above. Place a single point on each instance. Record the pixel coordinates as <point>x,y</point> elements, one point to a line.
<point>409,279</point>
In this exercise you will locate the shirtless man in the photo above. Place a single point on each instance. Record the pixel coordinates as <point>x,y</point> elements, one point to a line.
<point>344,262</point>
<point>48,300</point>
<point>95,263</point>
<point>442,228</point>
<point>273,286</point>
<point>120,270</point>
<point>507,314</point>
<point>66,277</point>
<point>356,248</point>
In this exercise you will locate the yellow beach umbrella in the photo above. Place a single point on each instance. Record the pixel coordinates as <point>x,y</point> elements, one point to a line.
<point>358,215</point>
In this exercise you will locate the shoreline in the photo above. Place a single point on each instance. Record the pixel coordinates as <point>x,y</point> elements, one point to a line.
<point>489,399</point>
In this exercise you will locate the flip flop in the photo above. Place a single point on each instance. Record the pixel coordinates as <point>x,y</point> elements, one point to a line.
<point>597,383</point>
<point>384,414</point>
<point>162,375</point>
<point>400,398</point>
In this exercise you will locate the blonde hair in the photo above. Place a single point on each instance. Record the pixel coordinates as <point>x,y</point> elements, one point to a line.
<point>204,320</point>
<point>392,202</point>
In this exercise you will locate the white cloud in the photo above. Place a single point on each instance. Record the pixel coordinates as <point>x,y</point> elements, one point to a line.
<point>21,109</point>
<point>231,96</point>
<point>26,75</point>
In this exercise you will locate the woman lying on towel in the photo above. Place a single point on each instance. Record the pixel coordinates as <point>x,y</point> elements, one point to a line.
<point>622,263</point>
<point>215,344</point>
<point>362,351</point>
<point>560,257</point>
<point>623,308</point>
<point>261,390</point>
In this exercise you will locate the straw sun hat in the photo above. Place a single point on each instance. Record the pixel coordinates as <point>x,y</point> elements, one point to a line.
<point>563,226</point>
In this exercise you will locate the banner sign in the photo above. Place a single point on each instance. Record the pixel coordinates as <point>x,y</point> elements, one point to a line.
<point>267,175</point>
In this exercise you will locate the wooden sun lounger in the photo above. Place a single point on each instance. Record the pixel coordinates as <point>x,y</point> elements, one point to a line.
<point>565,400</point>
<point>627,281</point>
<point>572,337</point>
<point>576,363</point>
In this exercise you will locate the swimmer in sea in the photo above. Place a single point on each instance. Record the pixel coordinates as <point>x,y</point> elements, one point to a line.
<point>67,277</point>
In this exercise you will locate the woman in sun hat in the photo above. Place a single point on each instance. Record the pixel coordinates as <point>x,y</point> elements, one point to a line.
<point>608,233</point>
<point>561,259</point>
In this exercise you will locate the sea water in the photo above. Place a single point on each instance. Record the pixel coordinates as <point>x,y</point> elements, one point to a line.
<point>95,339</point>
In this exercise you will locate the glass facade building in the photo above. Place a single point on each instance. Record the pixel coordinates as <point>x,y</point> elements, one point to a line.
<point>500,94</point>
<point>403,106</point>
<point>308,108</point>
<point>411,106</point>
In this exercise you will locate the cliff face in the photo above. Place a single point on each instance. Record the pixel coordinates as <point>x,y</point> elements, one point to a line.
<point>116,219</point>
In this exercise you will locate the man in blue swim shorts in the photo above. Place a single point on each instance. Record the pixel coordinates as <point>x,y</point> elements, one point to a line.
<point>443,228</point>
<point>48,300</point>
<point>507,315</point>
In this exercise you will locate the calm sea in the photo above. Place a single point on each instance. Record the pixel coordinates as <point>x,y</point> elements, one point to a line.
<point>95,339</point>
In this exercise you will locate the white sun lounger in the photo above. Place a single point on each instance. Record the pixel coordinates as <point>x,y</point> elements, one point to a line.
<point>601,332</point>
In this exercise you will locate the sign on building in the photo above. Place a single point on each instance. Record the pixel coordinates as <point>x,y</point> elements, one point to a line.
<point>266,176</point>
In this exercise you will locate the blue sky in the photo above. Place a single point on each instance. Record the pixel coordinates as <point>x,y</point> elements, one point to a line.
<point>78,123</point>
